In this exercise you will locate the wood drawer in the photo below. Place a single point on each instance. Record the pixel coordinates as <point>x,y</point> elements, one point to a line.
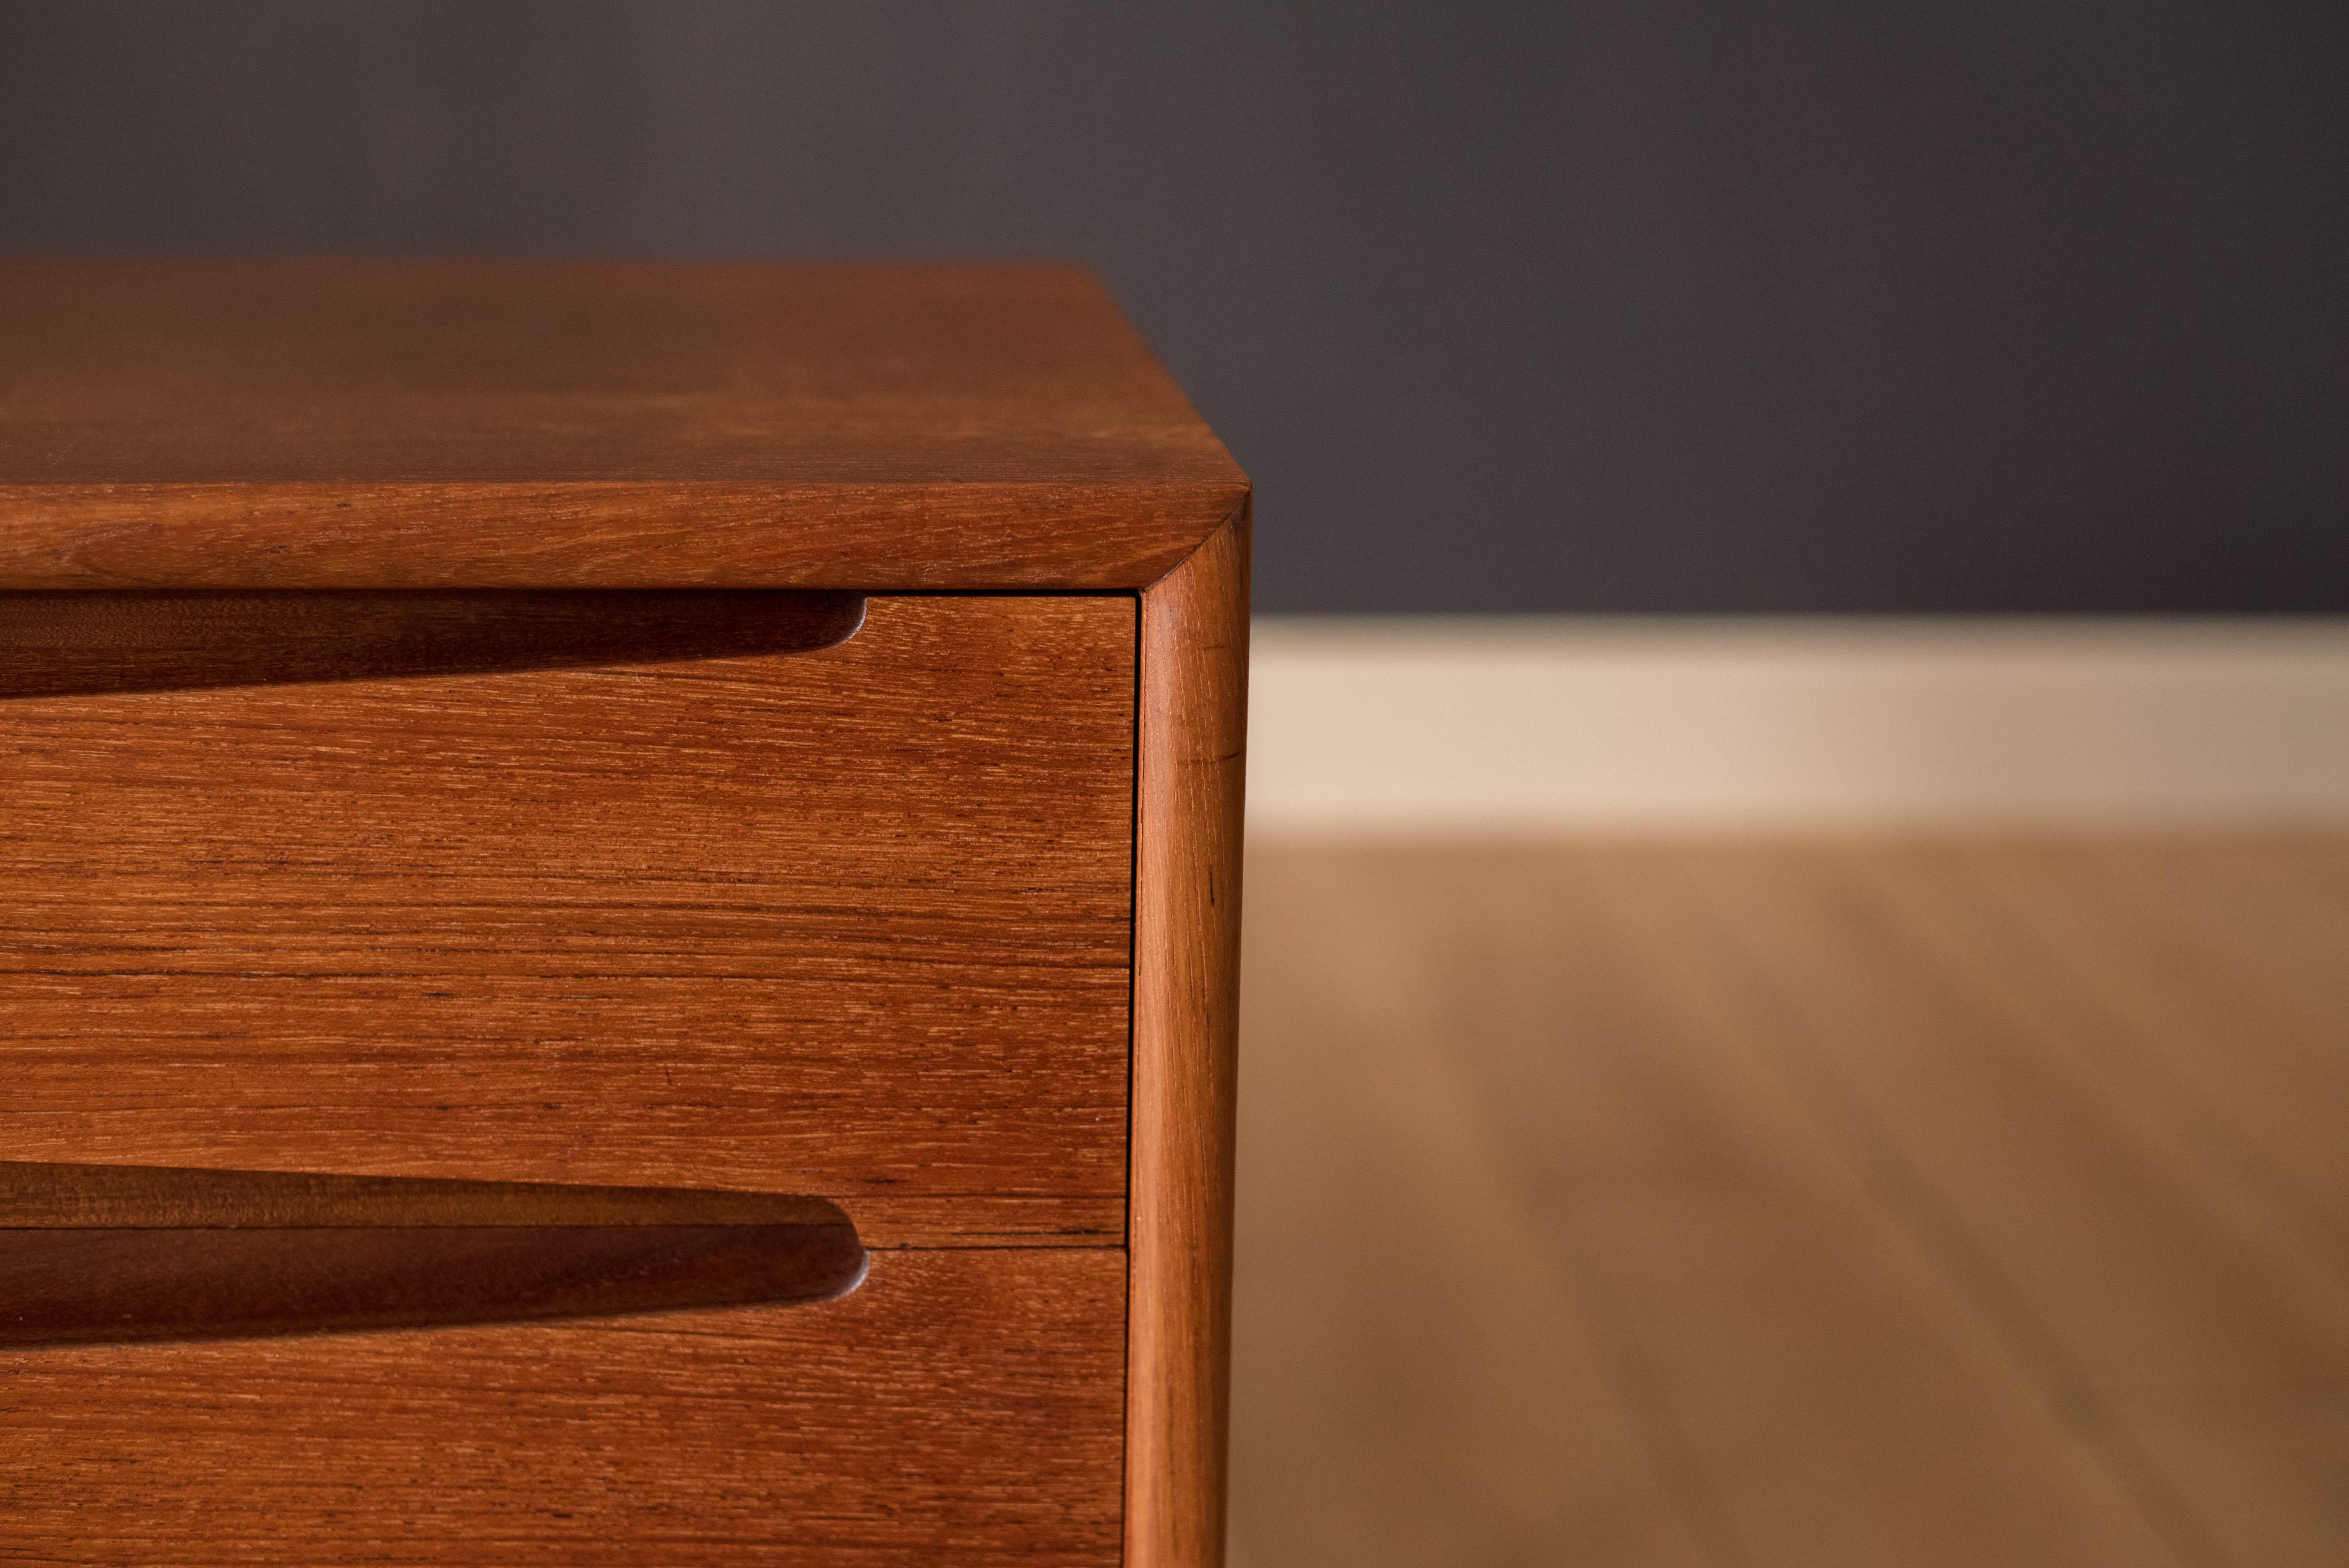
<point>853,923</point>
<point>962,1406</point>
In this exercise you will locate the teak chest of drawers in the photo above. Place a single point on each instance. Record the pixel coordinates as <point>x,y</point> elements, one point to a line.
<point>618,917</point>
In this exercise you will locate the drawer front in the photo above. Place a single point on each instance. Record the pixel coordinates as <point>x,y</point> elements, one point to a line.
<point>961,1407</point>
<point>852,923</point>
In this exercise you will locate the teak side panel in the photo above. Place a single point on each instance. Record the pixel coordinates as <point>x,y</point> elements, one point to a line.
<point>377,424</point>
<point>959,1407</point>
<point>844,922</point>
<point>1193,762</point>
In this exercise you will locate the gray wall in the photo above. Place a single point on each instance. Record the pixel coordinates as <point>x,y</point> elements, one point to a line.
<point>1657,304</point>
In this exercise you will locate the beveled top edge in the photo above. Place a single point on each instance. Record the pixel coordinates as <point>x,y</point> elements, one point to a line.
<point>368,424</point>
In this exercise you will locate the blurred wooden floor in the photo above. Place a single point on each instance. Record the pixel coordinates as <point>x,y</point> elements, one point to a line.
<point>1896,1206</point>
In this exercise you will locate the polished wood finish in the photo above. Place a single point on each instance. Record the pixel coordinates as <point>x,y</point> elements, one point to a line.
<point>1189,810</point>
<point>84,643</point>
<point>440,745</point>
<point>34,1194</point>
<point>1831,1203</point>
<point>846,923</point>
<point>959,1407</point>
<point>114,1253</point>
<point>987,1220</point>
<point>50,1195</point>
<point>346,423</point>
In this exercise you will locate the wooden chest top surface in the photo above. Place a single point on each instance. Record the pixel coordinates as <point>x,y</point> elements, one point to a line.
<point>377,424</point>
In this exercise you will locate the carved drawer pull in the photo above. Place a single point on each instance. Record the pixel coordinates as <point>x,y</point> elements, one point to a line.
<point>93,1253</point>
<point>66,643</point>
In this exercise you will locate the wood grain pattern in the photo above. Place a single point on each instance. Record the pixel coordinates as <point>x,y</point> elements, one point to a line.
<point>1951,1202</point>
<point>2150,1275</point>
<point>887,1222</point>
<point>1421,1374</point>
<point>1477,1079</point>
<point>1189,811</point>
<point>57,1195</point>
<point>845,922</point>
<point>1849,1402</point>
<point>2165,1020</point>
<point>46,1193</point>
<point>477,881</point>
<point>344,423</point>
<point>960,1407</point>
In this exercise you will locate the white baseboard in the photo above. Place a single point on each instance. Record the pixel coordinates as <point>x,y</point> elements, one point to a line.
<point>1487,727</point>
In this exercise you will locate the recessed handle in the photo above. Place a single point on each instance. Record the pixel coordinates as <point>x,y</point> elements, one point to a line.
<point>121,1253</point>
<point>72,644</point>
